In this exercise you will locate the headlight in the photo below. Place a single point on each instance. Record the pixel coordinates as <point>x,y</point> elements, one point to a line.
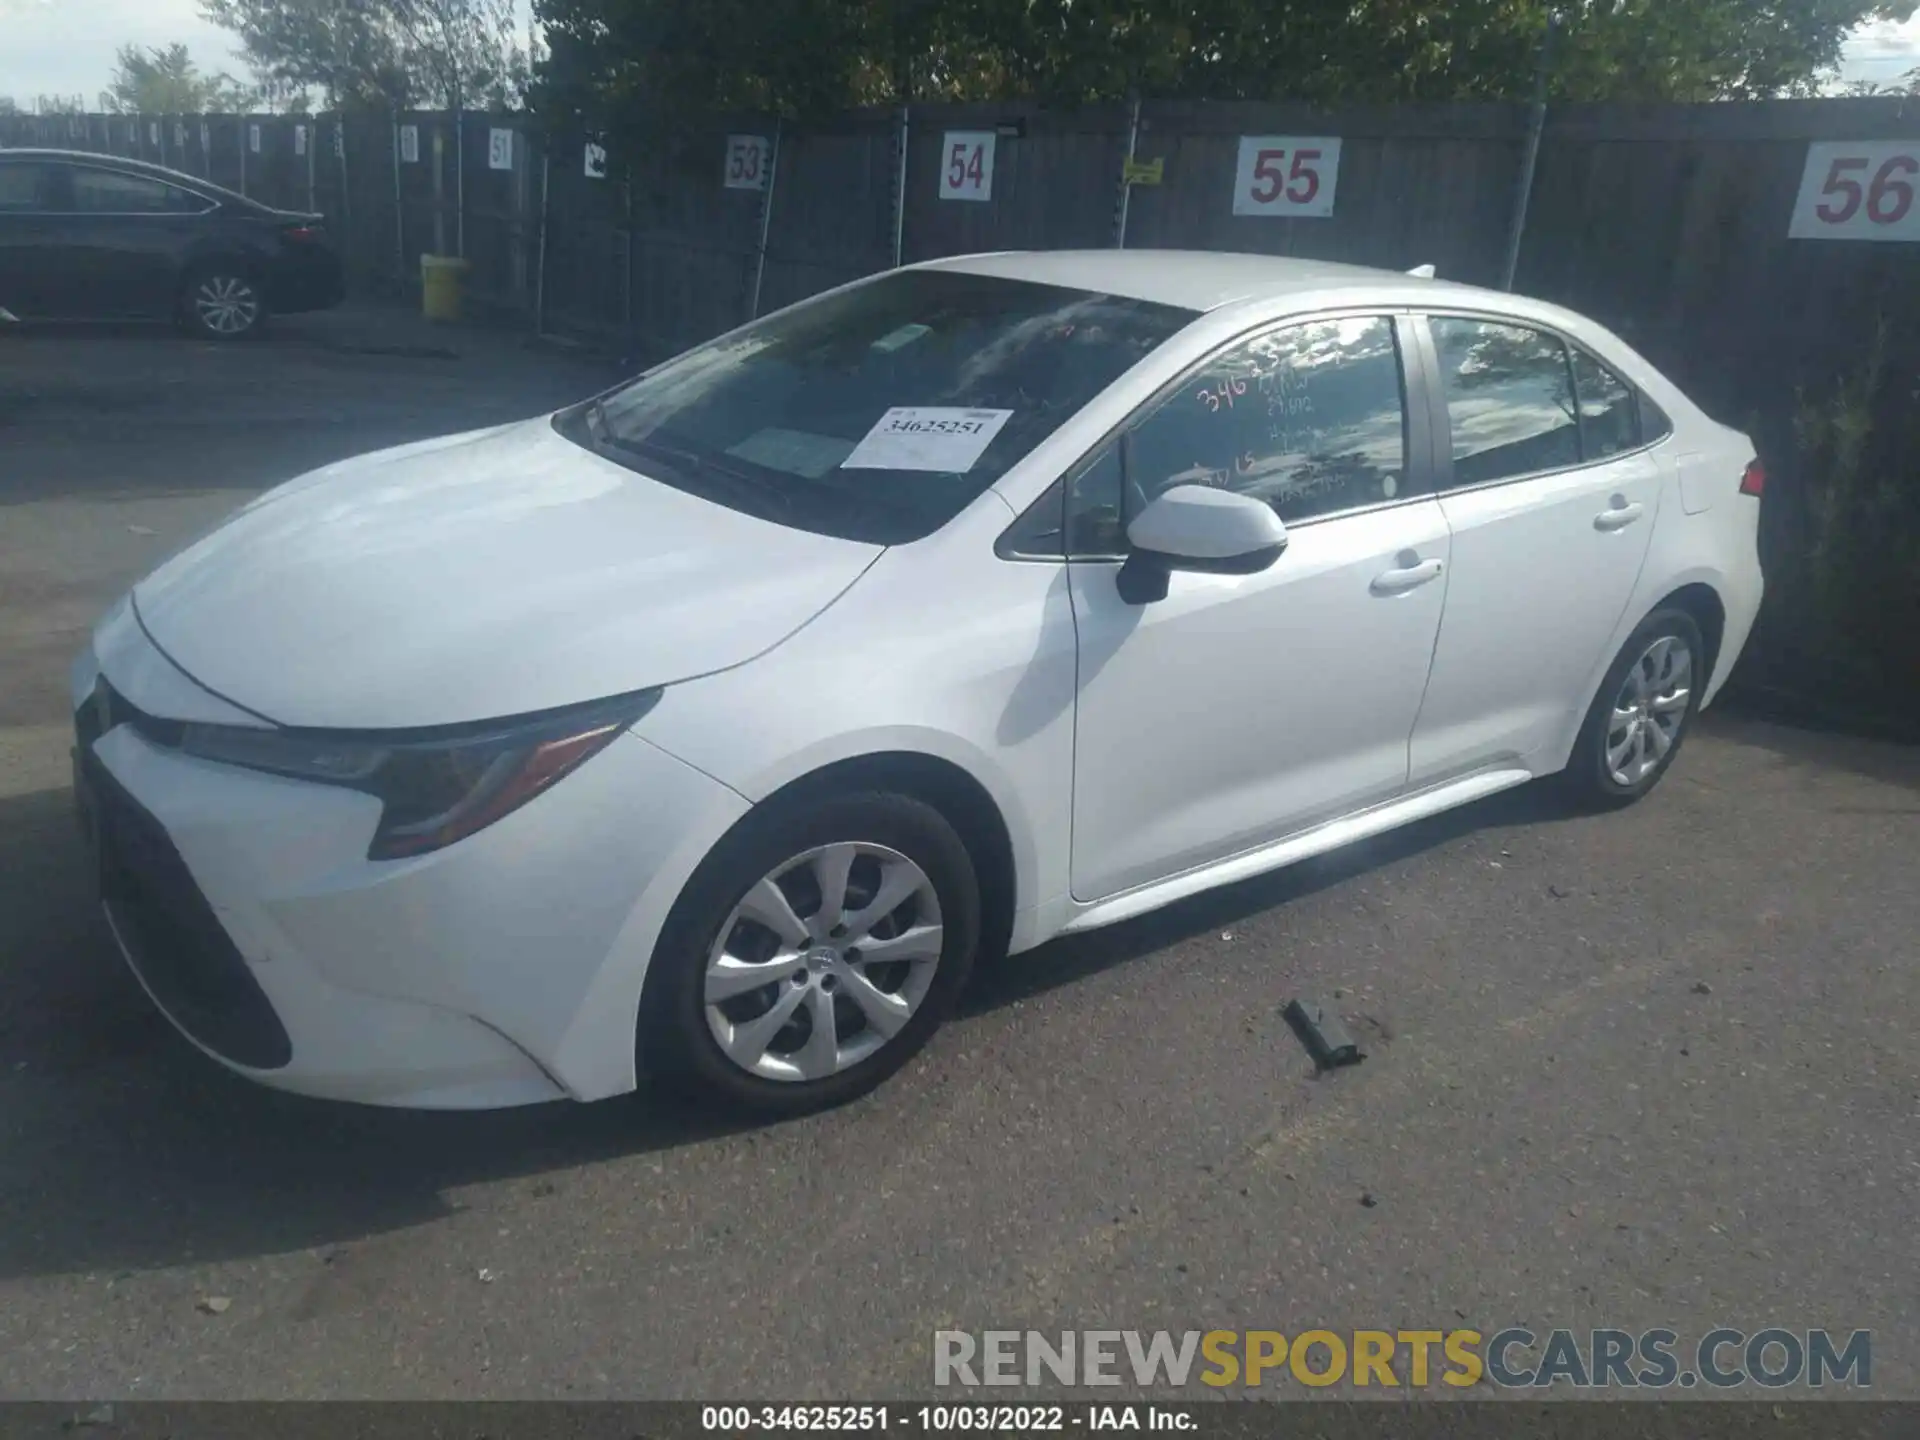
<point>435,787</point>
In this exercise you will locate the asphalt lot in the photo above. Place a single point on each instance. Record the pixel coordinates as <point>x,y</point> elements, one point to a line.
<point>1655,1068</point>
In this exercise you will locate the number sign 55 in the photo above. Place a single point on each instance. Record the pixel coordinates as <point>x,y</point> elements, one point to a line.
<point>1860,191</point>
<point>1286,175</point>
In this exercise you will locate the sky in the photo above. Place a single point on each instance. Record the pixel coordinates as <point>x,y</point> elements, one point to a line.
<point>66,47</point>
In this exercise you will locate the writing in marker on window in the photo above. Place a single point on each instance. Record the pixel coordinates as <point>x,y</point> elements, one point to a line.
<point>1308,418</point>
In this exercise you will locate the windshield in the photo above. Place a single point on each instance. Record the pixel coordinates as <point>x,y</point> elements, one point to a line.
<point>880,412</point>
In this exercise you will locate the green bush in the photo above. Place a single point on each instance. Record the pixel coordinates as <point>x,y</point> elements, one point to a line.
<point>1841,622</point>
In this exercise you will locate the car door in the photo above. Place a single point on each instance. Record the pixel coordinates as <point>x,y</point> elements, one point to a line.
<point>28,257</point>
<point>123,241</point>
<point>1551,500</point>
<point>1242,708</point>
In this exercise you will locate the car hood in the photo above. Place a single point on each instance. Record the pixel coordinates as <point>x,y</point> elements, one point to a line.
<point>478,576</point>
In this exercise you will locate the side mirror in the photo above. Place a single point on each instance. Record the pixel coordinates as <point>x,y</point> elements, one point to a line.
<point>1195,527</point>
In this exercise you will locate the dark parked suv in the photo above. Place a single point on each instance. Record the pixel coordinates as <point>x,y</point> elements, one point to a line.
<point>96,237</point>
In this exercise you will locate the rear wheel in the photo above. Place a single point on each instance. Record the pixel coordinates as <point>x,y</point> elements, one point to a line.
<point>814,953</point>
<point>1643,711</point>
<point>223,302</point>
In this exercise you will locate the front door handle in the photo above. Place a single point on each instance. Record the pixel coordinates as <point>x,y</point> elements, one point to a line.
<point>1619,516</point>
<point>1408,577</point>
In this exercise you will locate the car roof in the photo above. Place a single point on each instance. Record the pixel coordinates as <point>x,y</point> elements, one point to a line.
<point>1207,280</point>
<point>1255,287</point>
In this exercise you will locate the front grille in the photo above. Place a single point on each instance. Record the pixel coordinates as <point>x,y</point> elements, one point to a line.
<point>173,939</point>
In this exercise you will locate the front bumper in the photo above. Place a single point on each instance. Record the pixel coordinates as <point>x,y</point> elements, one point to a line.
<point>505,969</point>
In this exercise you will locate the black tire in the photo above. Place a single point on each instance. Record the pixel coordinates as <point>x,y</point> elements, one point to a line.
<point>675,1038</point>
<point>223,301</point>
<point>1589,778</point>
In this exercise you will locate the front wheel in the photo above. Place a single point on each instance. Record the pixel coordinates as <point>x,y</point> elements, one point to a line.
<point>814,953</point>
<point>1642,713</point>
<point>223,303</point>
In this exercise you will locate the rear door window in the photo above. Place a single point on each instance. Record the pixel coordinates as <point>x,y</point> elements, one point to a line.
<point>1609,416</point>
<point>1510,399</point>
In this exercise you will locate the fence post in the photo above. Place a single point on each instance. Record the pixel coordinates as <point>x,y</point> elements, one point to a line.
<point>626,287</point>
<point>1126,181</point>
<point>903,133</point>
<point>1536,123</point>
<point>439,191</point>
<point>399,212</point>
<point>460,182</point>
<point>766,222</point>
<point>346,195</point>
<point>540,249</point>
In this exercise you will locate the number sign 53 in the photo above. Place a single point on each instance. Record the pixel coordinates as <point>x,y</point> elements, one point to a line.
<point>748,162</point>
<point>1859,191</point>
<point>1286,175</point>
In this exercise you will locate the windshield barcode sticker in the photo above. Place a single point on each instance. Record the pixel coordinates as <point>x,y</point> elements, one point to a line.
<point>927,437</point>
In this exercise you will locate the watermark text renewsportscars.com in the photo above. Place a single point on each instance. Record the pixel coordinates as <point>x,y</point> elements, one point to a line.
<point>1773,1358</point>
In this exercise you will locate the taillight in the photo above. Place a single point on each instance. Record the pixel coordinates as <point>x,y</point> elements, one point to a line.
<point>301,232</point>
<point>1755,480</point>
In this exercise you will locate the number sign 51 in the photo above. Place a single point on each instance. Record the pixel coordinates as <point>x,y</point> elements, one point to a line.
<point>1859,191</point>
<point>1286,175</point>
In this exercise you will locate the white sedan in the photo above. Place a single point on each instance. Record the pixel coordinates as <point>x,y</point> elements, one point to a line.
<point>717,723</point>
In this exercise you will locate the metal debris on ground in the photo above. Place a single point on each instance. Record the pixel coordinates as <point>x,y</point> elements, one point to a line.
<point>1322,1032</point>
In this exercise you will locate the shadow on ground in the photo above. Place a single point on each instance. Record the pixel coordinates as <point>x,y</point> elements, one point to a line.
<point>96,1087</point>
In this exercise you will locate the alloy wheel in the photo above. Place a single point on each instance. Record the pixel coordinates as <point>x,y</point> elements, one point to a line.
<point>226,304</point>
<point>823,961</point>
<point>1649,710</point>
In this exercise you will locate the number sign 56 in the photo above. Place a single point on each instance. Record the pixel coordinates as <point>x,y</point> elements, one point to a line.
<point>966,165</point>
<point>1862,191</point>
<point>1286,175</point>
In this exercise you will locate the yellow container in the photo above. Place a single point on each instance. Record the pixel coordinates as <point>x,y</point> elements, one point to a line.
<point>440,286</point>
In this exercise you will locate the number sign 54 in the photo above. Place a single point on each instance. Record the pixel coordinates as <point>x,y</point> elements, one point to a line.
<point>966,165</point>
<point>1286,175</point>
<point>1862,191</point>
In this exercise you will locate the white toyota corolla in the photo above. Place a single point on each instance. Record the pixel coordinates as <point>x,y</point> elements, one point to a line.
<point>718,722</point>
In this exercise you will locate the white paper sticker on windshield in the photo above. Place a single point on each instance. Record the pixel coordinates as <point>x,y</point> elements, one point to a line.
<point>927,437</point>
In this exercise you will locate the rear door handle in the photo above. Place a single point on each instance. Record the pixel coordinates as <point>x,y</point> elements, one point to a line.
<point>1410,577</point>
<point>1619,517</point>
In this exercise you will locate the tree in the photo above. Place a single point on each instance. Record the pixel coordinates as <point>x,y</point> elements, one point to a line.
<point>627,63</point>
<point>386,54</point>
<point>469,49</point>
<point>165,81</point>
